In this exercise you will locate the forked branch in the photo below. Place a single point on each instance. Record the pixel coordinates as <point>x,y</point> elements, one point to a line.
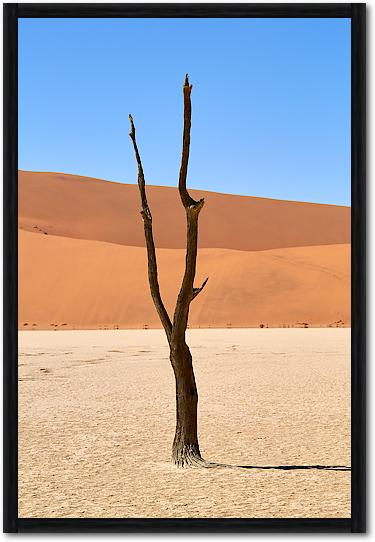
<point>151,255</point>
<point>193,208</point>
<point>187,292</point>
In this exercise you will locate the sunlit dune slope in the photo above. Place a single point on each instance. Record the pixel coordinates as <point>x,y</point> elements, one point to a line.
<point>70,283</point>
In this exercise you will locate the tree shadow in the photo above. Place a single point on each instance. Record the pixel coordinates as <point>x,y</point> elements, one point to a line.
<point>210,464</point>
<point>296,467</point>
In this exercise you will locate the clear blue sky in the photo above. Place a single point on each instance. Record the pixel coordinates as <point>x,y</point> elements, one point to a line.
<point>271,102</point>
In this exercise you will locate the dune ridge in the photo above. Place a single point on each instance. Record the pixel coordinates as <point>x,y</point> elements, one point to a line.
<point>92,209</point>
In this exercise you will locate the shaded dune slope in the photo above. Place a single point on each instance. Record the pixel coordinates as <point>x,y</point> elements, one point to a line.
<point>84,208</point>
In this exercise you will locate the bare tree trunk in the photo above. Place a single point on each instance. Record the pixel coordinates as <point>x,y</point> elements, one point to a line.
<point>185,450</point>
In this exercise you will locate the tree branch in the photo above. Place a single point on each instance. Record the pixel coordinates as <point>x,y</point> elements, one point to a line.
<point>186,199</point>
<point>193,208</point>
<point>197,291</point>
<point>151,255</point>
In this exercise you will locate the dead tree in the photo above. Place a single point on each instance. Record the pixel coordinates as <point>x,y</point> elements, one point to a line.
<point>185,449</point>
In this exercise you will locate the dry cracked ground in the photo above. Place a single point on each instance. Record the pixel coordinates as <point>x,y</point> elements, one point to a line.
<point>96,423</point>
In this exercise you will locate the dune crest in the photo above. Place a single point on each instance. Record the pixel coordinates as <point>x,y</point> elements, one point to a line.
<point>92,209</point>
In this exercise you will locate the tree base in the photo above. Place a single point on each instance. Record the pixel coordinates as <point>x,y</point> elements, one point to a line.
<point>187,456</point>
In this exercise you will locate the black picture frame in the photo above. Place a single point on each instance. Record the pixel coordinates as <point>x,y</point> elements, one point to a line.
<point>357,14</point>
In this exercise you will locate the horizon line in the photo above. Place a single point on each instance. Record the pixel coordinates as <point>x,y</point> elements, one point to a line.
<point>176,188</point>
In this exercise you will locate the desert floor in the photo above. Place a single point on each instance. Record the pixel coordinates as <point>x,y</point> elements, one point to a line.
<point>96,423</point>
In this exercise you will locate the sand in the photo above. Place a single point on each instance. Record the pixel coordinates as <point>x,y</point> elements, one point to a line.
<point>70,283</point>
<point>83,263</point>
<point>96,421</point>
<point>85,208</point>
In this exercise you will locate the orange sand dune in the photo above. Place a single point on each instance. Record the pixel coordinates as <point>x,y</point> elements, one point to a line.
<point>84,208</point>
<point>84,284</point>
